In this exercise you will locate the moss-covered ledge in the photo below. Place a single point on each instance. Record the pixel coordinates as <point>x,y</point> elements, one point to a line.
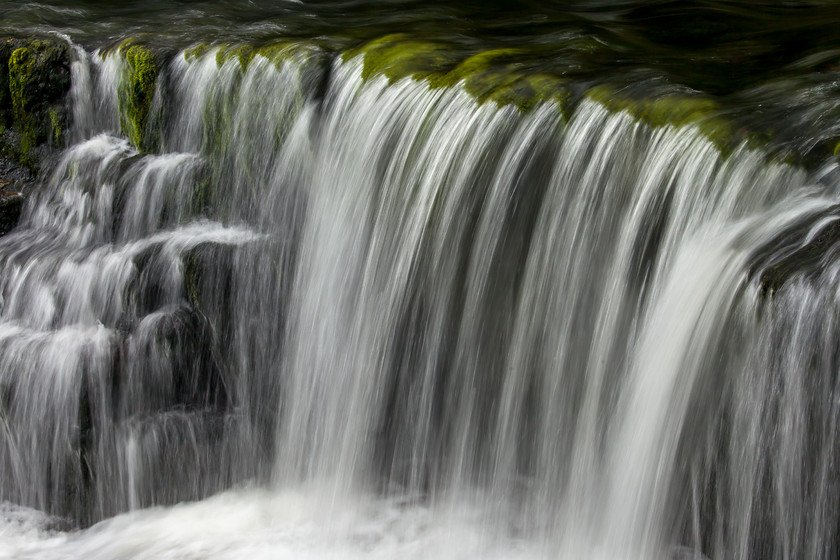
<point>496,75</point>
<point>277,52</point>
<point>672,109</point>
<point>505,77</point>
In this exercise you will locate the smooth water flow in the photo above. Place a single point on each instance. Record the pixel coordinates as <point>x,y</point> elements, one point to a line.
<point>348,318</point>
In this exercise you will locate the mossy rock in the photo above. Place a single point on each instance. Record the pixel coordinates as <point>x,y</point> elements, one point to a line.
<point>299,52</point>
<point>498,76</point>
<point>494,75</point>
<point>527,92</point>
<point>278,52</point>
<point>58,115</point>
<point>484,72</point>
<point>675,110</point>
<point>398,56</point>
<point>243,53</point>
<point>136,93</point>
<point>38,84</point>
<point>196,51</point>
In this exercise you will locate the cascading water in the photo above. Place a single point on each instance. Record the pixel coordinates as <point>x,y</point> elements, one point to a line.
<point>348,317</point>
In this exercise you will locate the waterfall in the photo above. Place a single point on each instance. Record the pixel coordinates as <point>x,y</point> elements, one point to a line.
<point>334,314</point>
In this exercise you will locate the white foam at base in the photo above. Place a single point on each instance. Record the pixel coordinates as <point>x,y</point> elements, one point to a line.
<point>258,524</point>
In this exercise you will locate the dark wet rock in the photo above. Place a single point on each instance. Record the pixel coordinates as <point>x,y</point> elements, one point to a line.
<point>11,202</point>
<point>184,337</point>
<point>15,174</point>
<point>801,250</point>
<point>15,180</point>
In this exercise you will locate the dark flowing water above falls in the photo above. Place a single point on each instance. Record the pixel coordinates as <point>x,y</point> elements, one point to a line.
<point>334,315</point>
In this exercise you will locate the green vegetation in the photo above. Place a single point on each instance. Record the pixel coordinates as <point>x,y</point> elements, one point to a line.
<point>136,94</point>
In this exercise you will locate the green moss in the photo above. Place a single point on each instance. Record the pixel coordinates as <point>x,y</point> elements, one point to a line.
<point>672,110</point>
<point>21,66</point>
<point>21,70</point>
<point>58,122</point>
<point>494,75</point>
<point>244,53</point>
<point>196,52</point>
<point>397,57</point>
<point>758,139</point>
<point>136,93</point>
<point>484,72</point>
<point>527,92</point>
<point>295,52</point>
<point>277,53</point>
<point>38,82</point>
